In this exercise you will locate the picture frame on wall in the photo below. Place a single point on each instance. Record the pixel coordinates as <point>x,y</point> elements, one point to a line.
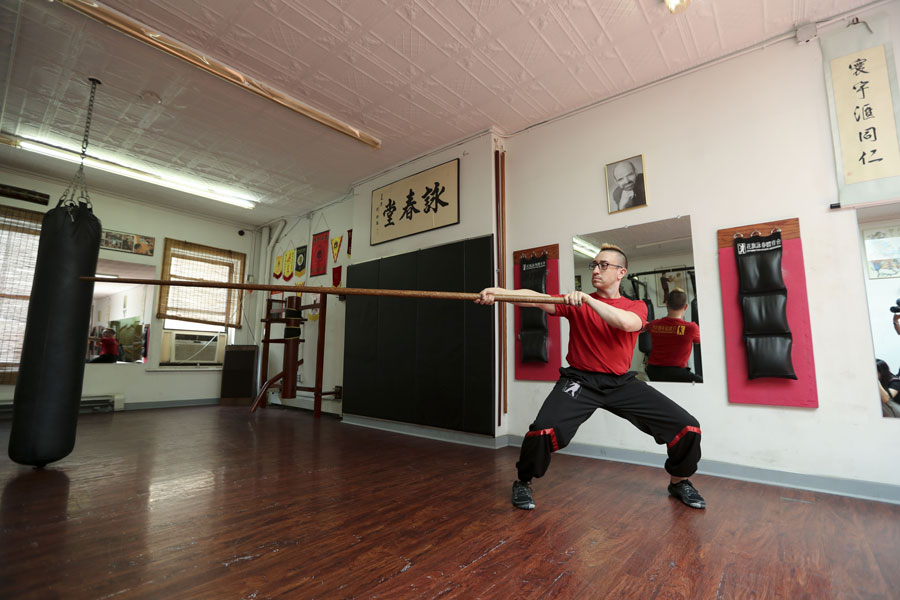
<point>882,246</point>
<point>668,281</point>
<point>625,186</point>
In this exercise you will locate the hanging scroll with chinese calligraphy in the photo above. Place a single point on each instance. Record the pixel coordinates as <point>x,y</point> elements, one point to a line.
<point>861,84</point>
<point>421,202</point>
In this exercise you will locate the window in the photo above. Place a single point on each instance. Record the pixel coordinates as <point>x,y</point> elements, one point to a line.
<point>184,261</point>
<point>20,232</point>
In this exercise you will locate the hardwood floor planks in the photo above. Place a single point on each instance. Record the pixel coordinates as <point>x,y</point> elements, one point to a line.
<point>212,502</point>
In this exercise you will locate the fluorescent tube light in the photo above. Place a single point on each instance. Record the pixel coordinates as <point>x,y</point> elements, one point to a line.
<point>661,242</point>
<point>116,169</point>
<point>582,247</point>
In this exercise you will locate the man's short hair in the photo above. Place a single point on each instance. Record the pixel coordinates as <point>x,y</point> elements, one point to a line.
<point>677,299</point>
<point>613,248</point>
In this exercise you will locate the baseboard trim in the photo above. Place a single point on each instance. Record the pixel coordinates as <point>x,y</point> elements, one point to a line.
<point>433,433</point>
<point>170,403</point>
<point>853,488</point>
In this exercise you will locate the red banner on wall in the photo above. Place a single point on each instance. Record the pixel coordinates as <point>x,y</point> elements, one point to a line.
<point>319,261</point>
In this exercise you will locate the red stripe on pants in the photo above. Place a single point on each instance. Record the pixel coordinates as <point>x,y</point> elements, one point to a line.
<point>681,435</point>
<point>552,435</point>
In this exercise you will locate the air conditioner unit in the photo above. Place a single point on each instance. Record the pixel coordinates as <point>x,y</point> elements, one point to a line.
<point>192,348</point>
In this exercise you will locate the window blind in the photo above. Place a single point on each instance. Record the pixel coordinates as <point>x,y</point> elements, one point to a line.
<point>186,261</point>
<point>20,232</point>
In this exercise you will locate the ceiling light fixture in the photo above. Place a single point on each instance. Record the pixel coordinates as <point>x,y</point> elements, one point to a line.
<point>676,6</point>
<point>117,169</point>
<point>661,242</point>
<point>584,248</point>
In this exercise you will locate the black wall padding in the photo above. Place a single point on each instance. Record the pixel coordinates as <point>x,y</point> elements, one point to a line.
<point>441,340</point>
<point>533,333</point>
<point>480,352</point>
<point>422,361</point>
<point>48,386</point>
<point>398,340</point>
<point>763,298</point>
<point>695,317</point>
<point>645,342</point>
<point>361,342</point>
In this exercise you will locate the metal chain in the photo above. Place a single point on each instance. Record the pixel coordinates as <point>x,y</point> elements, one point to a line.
<point>90,116</point>
<point>78,180</point>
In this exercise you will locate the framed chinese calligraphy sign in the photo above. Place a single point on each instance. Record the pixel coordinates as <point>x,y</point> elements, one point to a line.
<point>421,202</point>
<point>861,84</point>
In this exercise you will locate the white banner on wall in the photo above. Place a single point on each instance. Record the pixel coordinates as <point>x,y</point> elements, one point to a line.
<point>861,85</point>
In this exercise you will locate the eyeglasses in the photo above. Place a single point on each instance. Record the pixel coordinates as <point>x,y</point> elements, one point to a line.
<point>603,265</point>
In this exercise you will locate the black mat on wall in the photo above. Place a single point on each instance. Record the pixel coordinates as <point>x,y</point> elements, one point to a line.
<point>428,362</point>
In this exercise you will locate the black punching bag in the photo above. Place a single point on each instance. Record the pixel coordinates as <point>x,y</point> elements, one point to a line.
<point>48,386</point>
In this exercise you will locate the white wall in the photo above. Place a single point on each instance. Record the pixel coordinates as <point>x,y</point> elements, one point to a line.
<point>141,382</point>
<point>739,143</point>
<point>476,219</point>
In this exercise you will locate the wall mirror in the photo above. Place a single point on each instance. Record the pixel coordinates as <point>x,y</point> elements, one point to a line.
<point>120,311</point>
<point>660,259</point>
<point>879,235</point>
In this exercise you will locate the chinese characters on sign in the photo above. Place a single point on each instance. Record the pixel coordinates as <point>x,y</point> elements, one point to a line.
<point>865,116</point>
<point>420,202</point>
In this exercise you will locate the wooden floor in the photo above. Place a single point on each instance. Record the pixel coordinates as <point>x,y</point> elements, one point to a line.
<point>216,503</point>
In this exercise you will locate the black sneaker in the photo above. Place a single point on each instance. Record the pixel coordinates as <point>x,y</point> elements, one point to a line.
<point>685,491</point>
<point>521,495</point>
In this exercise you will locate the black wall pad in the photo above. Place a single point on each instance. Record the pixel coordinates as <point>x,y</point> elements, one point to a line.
<point>441,339</point>
<point>533,334</point>
<point>759,264</point>
<point>763,298</point>
<point>645,342</point>
<point>480,350</point>
<point>769,356</point>
<point>397,339</point>
<point>695,317</point>
<point>429,362</point>
<point>361,342</point>
<point>765,313</point>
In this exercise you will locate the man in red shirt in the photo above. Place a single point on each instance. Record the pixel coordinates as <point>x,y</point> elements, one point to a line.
<point>672,338</point>
<point>109,348</point>
<point>603,330</point>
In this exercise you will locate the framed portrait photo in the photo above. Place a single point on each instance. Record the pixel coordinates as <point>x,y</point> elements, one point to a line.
<point>625,187</point>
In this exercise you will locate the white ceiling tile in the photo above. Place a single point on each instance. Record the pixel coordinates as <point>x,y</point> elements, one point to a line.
<point>418,74</point>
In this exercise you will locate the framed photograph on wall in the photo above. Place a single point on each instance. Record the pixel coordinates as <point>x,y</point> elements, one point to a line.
<point>667,282</point>
<point>882,252</point>
<point>625,187</point>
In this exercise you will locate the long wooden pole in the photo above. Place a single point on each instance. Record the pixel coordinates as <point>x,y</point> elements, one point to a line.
<point>471,296</point>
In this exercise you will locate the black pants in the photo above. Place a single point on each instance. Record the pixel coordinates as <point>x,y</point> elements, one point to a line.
<point>658,373</point>
<point>105,358</point>
<point>578,394</point>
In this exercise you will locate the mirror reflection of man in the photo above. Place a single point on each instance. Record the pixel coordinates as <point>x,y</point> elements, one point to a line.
<point>603,331</point>
<point>672,339</point>
<point>629,190</point>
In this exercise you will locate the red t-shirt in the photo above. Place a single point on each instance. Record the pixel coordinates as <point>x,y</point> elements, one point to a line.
<point>672,340</point>
<point>109,345</point>
<point>595,346</point>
